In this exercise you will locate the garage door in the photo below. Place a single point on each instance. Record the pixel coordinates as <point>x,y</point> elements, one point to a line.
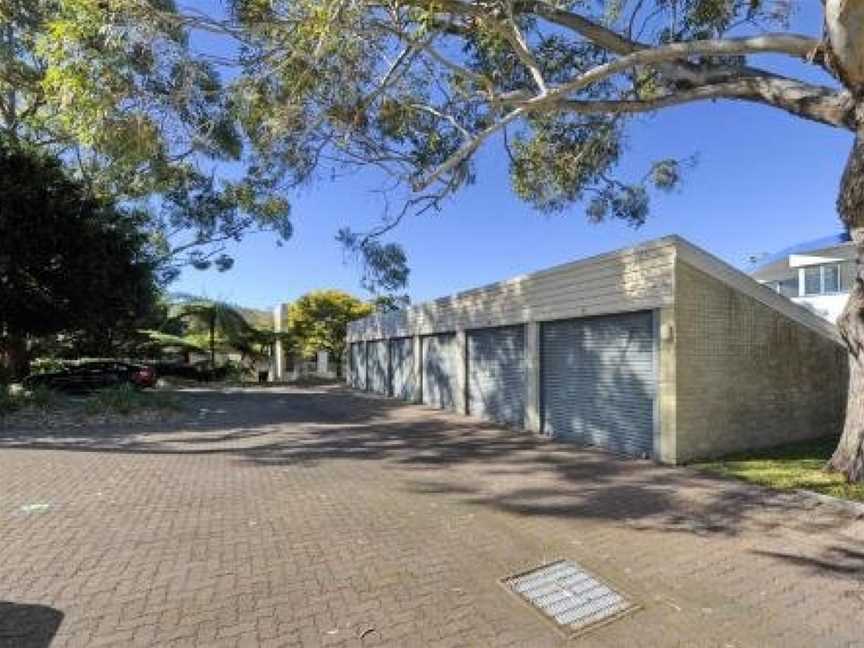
<point>496,374</point>
<point>376,366</point>
<point>358,366</point>
<point>598,381</point>
<point>441,362</point>
<point>402,374</point>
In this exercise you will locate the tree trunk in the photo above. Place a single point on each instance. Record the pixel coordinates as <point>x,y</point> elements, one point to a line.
<point>213,343</point>
<point>848,458</point>
<point>16,356</point>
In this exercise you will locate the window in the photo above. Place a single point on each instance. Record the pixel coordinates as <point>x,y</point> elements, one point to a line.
<point>831,279</point>
<point>788,287</point>
<point>813,280</point>
<point>822,279</point>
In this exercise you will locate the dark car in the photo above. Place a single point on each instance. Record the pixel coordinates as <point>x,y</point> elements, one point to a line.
<point>202,372</point>
<point>94,375</point>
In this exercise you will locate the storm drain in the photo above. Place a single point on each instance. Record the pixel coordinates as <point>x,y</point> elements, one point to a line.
<point>569,595</point>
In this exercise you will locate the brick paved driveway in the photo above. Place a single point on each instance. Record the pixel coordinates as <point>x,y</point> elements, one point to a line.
<point>317,518</point>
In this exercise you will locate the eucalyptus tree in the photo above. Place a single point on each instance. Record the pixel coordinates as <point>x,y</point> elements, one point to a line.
<point>118,90</point>
<point>414,88</point>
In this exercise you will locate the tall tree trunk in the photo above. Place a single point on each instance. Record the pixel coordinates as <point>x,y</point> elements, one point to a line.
<point>848,458</point>
<point>213,343</point>
<point>10,117</point>
<point>16,356</point>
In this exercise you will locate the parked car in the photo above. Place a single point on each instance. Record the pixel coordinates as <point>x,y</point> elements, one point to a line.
<point>94,375</point>
<point>202,372</point>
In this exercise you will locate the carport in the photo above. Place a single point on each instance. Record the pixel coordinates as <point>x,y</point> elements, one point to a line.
<point>660,350</point>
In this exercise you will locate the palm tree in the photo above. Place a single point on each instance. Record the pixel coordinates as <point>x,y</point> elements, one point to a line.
<point>216,316</point>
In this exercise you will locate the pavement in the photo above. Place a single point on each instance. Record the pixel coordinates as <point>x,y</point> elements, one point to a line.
<point>318,517</point>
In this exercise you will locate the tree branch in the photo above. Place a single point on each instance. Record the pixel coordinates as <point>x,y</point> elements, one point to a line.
<point>520,47</point>
<point>468,149</point>
<point>802,100</point>
<point>778,43</point>
<point>594,32</point>
<point>775,43</point>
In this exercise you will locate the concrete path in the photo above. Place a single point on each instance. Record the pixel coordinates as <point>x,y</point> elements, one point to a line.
<point>279,517</point>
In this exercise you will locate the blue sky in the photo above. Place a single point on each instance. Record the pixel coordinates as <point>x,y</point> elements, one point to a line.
<point>764,181</point>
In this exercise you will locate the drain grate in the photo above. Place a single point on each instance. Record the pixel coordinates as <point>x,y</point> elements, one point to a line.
<point>569,595</point>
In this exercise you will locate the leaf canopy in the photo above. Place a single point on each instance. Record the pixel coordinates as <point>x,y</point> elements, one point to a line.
<point>116,88</point>
<point>412,88</point>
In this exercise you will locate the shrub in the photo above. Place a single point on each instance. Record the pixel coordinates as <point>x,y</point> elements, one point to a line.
<point>41,398</point>
<point>234,372</point>
<point>45,365</point>
<point>9,402</point>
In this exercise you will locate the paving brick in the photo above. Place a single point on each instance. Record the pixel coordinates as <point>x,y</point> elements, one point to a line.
<point>295,513</point>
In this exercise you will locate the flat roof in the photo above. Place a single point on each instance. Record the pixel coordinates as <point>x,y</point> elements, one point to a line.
<point>834,240</point>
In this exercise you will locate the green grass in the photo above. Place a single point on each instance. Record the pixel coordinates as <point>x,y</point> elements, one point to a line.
<point>126,400</point>
<point>789,467</point>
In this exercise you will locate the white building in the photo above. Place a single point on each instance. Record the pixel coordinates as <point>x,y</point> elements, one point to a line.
<point>816,274</point>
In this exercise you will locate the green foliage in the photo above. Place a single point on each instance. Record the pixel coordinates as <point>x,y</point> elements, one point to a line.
<point>69,263</point>
<point>158,341</point>
<point>562,158</point>
<point>40,398</point>
<point>213,325</point>
<point>384,265</point>
<point>319,321</point>
<point>326,87</point>
<point>401,87</point>
<point>234,372</point>
<point>126,400</point>
<point>694,19</point>
<point>46,364</point>
<point>117,90</point>
<point>9,402</point>
<point>390,303</point>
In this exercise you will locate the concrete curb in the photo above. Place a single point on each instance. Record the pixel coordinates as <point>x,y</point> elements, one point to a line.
<point>853,508</point>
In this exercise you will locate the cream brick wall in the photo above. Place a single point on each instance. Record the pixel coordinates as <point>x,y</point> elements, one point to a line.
<point>638,278</point>
<point>746,375</point>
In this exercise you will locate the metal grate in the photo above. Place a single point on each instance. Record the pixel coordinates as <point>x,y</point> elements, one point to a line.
<point>569,595</point>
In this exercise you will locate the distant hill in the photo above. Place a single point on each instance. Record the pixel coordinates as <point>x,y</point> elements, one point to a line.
<point>260,319</point>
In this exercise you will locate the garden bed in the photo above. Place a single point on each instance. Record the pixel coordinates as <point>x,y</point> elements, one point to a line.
<point>45,408</point>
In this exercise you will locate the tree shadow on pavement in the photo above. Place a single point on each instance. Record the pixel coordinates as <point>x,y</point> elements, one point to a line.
<point>28,626</point>
<point>467,460</point>
<point>835,559</point>
<point>208,416</point>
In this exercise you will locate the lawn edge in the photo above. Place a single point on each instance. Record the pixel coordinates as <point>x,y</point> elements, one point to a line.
<point>850,506</point>
<point>854,508</point>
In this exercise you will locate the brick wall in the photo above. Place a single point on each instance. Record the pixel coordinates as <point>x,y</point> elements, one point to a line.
<point>747,376</point>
